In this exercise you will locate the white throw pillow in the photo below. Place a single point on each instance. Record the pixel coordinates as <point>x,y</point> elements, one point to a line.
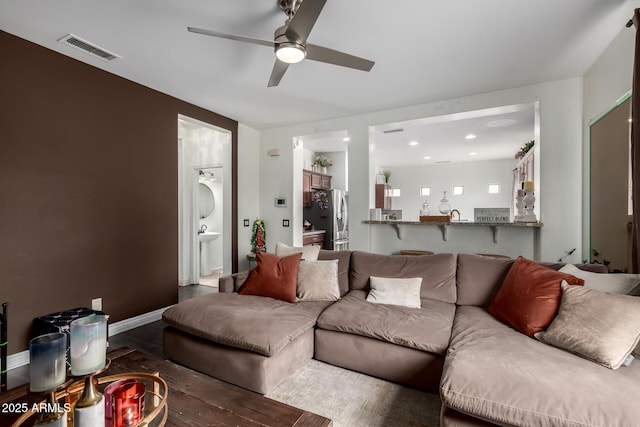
<point>308,252</point>
<point>613,283</point>
<point>395,291</point>
<point>318,281</point>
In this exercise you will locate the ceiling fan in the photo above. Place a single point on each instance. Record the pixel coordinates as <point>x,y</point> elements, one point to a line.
<point>290,40</point>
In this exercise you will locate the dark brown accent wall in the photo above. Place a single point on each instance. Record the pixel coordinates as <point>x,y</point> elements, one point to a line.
<point>88,188</point>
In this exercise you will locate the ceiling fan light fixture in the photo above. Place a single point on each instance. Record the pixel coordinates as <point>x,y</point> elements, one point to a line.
<point>291,53</point>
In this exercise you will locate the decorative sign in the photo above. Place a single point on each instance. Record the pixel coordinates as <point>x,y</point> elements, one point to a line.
<point>492,215</point>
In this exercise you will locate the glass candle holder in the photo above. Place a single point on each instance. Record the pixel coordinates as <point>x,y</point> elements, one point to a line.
<point>108,399</point>
<point>47,361</point>
<point>88,344</point>
<point>128,404</point>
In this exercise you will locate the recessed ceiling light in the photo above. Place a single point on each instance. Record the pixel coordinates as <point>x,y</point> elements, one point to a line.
<point>470,136</point>
<point>427,157</point>
<point>413,143</point>
<point>346,139</point>
<point>473,154</point>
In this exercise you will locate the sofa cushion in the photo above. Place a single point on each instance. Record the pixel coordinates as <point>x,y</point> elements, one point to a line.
<point>437,271</point>
<point>596,325</point>
<point>344,266</point>
<point>530,296</point>
<point>617,283</point>
<point>495,373</point>
<point>427,328</point>
<point>479,278</point>
<point>273,277</point>
<point>318,280</point>
<point>397,291</point>
<point>258,324</point>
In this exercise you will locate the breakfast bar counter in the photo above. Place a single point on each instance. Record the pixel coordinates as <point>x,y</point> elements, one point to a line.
<point>444,226</point>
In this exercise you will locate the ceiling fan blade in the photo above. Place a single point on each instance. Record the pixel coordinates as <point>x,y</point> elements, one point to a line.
<point>279,68</point>
<point>304,19</point>
<point>231,37</point>
<point>324,54</point>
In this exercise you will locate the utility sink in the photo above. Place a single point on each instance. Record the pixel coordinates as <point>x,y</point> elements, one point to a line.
<point>208,236</point>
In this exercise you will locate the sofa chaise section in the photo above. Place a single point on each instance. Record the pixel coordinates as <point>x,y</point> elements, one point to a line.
<point>495,375</point>
<point>500,375</point>
<point>254,342</point>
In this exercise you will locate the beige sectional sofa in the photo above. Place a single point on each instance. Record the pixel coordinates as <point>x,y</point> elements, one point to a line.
<point>486,372</point>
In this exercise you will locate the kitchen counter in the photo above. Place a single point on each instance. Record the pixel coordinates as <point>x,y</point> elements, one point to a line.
<point>445,225</point>
<point>313,237</point>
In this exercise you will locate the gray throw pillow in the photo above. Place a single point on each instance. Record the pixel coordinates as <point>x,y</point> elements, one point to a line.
<point>318,281</point>
<point>395,291</point>
<point>598,326</point>
<point>308,252</point>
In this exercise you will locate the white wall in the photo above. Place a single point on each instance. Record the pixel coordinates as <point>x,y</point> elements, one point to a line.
<point>308,158</point>
<point>475,177</point>
<point>558,189</point>
<point>607,81</point>
<point>338,171</point>
<point>277,178</point>
<point>248,185</point>
<point>511,242</point>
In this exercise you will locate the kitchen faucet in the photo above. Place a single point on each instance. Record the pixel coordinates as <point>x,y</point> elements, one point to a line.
<point>456,211</point>
<point>203,228</point>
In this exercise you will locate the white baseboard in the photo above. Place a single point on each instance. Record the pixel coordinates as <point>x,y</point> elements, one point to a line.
<point>134,322</point>
<point>20,359</point>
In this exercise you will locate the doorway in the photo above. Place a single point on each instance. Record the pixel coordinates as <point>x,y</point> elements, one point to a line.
<point>205,215</point>
<point>610,208</point>
<point>323,159</point>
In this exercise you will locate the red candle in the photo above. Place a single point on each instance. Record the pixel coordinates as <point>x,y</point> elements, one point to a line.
<point>128,404</point>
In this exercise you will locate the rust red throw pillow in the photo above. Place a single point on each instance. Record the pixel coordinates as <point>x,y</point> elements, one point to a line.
<point>273,277</point>
<point>530,296</point>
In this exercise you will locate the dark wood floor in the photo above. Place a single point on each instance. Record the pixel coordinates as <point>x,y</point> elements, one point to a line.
<point>147,338</point>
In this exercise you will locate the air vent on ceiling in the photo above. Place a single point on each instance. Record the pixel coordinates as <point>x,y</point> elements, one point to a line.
<point>87,47</point>
<point>393,130</point>
<point>444,161</point>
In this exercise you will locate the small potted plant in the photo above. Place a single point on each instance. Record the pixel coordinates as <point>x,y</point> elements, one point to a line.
<point>323,162</point>
<point>387,175</point>
<point>524,150</point>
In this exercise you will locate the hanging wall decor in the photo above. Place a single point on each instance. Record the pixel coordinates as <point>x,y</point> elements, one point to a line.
<point>322,199</point>
<point>258,236</point>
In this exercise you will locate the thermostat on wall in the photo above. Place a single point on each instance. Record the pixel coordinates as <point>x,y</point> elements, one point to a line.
<point>280,202</point>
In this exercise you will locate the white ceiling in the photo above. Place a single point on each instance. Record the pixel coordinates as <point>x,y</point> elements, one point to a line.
<point>424,50</point>
<point>496,133</point>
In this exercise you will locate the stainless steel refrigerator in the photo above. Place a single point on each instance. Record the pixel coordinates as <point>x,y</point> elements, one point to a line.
<point>330,211</point>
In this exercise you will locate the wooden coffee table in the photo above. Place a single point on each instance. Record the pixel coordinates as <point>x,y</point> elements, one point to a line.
<point>194,399</point>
